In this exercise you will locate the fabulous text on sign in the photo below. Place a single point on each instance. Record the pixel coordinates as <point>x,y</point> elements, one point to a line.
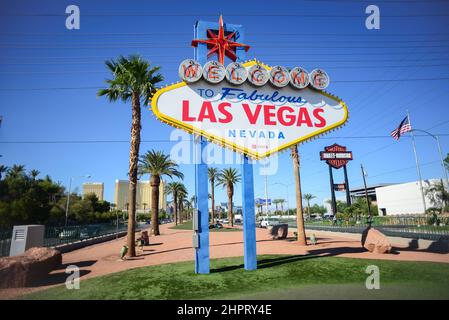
<point>254,111</point>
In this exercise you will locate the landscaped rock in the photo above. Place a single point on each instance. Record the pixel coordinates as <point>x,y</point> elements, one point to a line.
<point>25,269</point>
<point>375,241</point>
<point>279,231</point>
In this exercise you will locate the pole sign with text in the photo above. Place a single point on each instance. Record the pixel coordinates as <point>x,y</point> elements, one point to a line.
<point>336,156</point>
<point>250,107</point>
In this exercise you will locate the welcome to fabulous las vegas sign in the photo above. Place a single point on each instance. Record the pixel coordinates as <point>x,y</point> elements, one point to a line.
<point>249,107</point>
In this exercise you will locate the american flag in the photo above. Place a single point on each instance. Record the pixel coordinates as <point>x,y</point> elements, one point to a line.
<point>402,128</point>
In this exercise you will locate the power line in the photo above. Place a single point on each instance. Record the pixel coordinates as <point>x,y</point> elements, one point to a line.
<point>263,34</point>
<point>107,71</point>
<point>146,45</point>
<point>335,81</point>
<point>246,14</point>
<point>176,140</point>
<point>263,59</point>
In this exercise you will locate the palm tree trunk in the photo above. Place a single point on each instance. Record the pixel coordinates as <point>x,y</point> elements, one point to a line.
<point>230,195</point>
<point>155,181</point>
<point>299,211</point>
<point>212,182</point>
<point>308,208</point>
<point>175,202</point>
<point>133,162</point>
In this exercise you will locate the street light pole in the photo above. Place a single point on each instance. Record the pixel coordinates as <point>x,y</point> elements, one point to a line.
<point>366,195</point>
<point>68,202</point>
<point>68,197</point>
<point>437,139</point>
<point>286,189</point>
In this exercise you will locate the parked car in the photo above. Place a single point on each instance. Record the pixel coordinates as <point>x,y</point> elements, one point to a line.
<point>265,222</point>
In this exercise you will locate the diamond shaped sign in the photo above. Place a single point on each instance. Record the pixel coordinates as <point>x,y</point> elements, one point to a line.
<point>255,120</point>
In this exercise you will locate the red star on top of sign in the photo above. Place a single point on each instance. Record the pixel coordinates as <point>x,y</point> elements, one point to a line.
<point>220,44</point>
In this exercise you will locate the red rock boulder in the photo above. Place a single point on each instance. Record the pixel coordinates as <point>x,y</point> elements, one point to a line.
<point>28,268</point>
<point>375,241</point>
<point>279,231</point>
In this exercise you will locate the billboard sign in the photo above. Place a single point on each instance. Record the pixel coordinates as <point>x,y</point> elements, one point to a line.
<point>336,156</point>
<point>250,107</point>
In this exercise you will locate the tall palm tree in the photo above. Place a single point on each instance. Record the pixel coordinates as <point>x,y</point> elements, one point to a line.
<point>299,211</point>
<point>182,196</point>
<point>3,169</point>
<point>34,174</point>
<point>133,80</point>
<point>308,197</point>
<point>16,171</point>
<point>276,203</point>
<point>173,188</point>
<point>157,164</point>
<point>281,202</point>
<point>227,178</point>
<point>213,173</point>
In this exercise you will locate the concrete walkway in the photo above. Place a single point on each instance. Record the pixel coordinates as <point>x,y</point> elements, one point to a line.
<point>176,245</point>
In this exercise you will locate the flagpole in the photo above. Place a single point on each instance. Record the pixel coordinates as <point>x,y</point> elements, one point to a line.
<point>417,164</point>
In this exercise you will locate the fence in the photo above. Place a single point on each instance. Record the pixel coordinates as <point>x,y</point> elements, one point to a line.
<point>410,226</point>
<point>5,242</point>
<point>56,236</point>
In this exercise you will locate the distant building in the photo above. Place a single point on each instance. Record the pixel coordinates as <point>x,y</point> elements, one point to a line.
<point>404,198</point>
<point>94,187</point>
<point>143,196</point>
<point>359,192</point>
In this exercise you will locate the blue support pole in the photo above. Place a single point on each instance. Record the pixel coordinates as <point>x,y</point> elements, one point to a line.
<point>202,260</point>
<point>202,255</point>
<point>249,218</point>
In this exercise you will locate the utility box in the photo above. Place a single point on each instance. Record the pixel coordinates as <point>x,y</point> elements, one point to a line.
<point>26,237</point>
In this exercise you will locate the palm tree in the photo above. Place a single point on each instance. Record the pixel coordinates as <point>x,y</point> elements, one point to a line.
<point>308,197</point>
<point>299,211</point>
<point>3,169</point>
<point>173,188</point>
<point>276,202</point>
<point>34,174</point>
<point>281,202</point>
<point>133,80</point>
<point>227,178</point>
<point>182,196</point>
<point>16,171</point>
<point>213,173</point>
<point>157,164</point>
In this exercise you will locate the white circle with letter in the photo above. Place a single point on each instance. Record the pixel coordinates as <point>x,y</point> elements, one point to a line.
<point>258,75</point>
<point>214,72</point>
<point>319,79</point>
<point>190,71</point>
<point>279,76</point>
<point>299,78</point>
<point>236,73</point>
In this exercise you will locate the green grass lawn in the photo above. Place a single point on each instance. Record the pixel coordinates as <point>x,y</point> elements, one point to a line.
<point>188,226</point>
<point>277,277</point>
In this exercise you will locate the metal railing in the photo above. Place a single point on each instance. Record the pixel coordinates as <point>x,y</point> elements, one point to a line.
<point>57,236</point>
<point>407,226</point>
<point>5,242</point>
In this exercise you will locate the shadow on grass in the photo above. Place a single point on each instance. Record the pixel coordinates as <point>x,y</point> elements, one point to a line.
<point>313,254</point>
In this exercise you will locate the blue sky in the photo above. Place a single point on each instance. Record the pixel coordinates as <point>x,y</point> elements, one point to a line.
<point>48,76</point>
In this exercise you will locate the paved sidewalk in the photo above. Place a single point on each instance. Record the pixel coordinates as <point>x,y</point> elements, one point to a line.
<point>176,245</point>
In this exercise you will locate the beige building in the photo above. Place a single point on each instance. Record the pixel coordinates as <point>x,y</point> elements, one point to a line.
<point>94,187</point>
<point>143,197</point>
